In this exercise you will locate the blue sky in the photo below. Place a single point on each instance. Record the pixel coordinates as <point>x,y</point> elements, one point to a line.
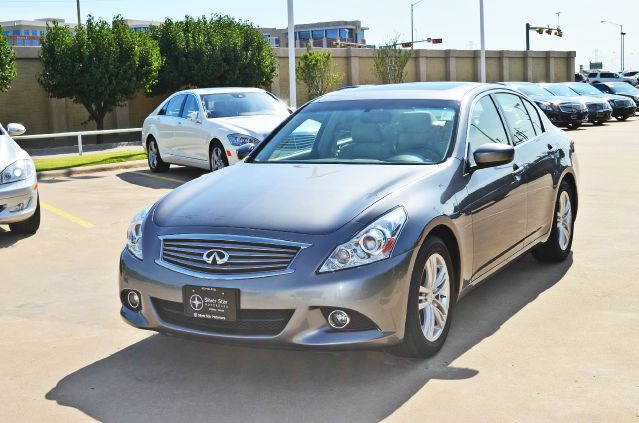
<point>456,21</point>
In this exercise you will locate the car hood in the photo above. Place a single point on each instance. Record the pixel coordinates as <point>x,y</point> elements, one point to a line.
<point>303,198</point>
<point>9,152</point>
<point>542,98</point>
<point>258,126</point>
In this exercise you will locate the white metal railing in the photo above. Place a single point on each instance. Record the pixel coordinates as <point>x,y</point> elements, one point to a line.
<point>78,134</point>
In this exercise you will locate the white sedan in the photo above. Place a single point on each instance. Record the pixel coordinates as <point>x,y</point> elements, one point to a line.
<point>205,127</point>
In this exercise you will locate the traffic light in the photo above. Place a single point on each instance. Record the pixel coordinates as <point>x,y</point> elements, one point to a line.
<point>549,31</point>
<point>437,41</point>
<point>540,30</point>
<point>559,33</point>
<point>406,45</point>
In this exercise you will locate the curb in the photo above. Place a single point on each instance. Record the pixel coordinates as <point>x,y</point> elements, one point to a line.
<point>81,170</point>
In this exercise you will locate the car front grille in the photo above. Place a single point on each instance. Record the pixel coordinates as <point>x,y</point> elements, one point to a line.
<point>570,107</point>
<point>594,107</point>
<point>624,103</point>
<point>249,321</point>
<point>227,256</point>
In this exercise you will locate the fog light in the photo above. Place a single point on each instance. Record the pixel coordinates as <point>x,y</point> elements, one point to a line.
<point>133,299</point>
<point>338,319</point>
<point>18,207</point>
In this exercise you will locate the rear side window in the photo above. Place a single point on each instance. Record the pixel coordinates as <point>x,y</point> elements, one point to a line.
<point>592,74</point>
<point>534,117</point>
<point>517,117</point>
<point>485,125</point>
<point>174,106</point>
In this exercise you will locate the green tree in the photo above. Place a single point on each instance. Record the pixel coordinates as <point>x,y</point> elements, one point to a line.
<point>100,66</point>
<point>390,62</point>
<point>213,52</point>
<point>7,63</point>
<point>315,70</point>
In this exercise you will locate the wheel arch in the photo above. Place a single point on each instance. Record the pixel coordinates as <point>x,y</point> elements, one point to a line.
<point>216,141</point>
<point>570,179</point>
<point>449,237</point>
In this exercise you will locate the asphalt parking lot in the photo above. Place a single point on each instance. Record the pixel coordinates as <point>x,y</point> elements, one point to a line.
<point>537,342</point>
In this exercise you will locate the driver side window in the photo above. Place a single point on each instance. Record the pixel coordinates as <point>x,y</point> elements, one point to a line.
<point>485,126</point>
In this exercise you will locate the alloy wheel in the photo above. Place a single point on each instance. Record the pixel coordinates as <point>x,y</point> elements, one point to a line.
<point>564,220</point>
<point>217,159</point>
<point>434,297</point>
<point>153,154</point>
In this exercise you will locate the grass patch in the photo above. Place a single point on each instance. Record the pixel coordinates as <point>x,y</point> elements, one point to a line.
<point>90,159</point>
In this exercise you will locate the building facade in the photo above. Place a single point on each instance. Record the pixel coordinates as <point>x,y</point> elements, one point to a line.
<point>26,33</point>
<point>319,34</point>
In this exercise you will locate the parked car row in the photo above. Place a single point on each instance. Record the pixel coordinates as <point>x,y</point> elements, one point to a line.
<point>359,221</point>
<point>571,104</point>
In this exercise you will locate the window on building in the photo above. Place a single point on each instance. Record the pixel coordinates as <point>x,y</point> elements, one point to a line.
<point>34,32</point>
<point>36,43</point>
<point>276,41</point>
<point>6,32</point>
<point>332,34</point>
<point>10,41</point>
<point>318,34</point>
<point>304,35</point>
<point>42,33</point>
<point>16,32</point>
<point>26,32</point>
<point>20,41</point>
<point>27,42</point>
<point>345,33</point>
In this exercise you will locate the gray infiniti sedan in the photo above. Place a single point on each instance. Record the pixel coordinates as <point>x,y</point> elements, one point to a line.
<point>358,222</point>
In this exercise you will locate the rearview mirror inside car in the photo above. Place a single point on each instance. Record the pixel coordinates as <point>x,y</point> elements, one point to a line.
<point>493,154</point>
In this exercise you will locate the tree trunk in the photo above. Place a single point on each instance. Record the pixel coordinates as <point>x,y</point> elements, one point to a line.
<point>99,123</point>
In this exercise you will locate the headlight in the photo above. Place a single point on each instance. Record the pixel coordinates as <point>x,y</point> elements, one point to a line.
<point>373,244</point>
<point>241,139</point>
<point>546,106</point>
<point>134,233</point>
<point>17,171</point>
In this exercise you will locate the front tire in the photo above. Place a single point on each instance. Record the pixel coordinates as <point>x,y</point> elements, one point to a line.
<point>217,157</point>
<point>574,125</point>
<point>156,164</point>
<point>558,245</point>
<point>621,118</point>
<point>430,301</point>
<point>29,226</point>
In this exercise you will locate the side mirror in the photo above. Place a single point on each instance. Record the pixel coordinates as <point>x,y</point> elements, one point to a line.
<point>493,154</point>
<point>15,129</point>
<point>194,117</point>
<point>244,150</point>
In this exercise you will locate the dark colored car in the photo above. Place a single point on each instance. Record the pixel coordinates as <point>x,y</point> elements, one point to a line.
<point>622,107</point>
<point>407,197</point>
<point>619,88</point>
<point>599,110</point>
<point>562,111</point>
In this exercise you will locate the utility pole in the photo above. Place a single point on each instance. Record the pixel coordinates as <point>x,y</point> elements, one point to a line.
<point>292,83</point>
<point>79,15</point>
<point>412,31</point>
<point>623,34</point>
<point>482,56</point>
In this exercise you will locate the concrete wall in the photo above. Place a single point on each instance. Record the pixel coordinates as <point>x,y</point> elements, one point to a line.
<point>26,102</point>
<point>356,67</point>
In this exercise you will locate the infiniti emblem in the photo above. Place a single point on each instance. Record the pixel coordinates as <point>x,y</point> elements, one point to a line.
<point>217,256</point>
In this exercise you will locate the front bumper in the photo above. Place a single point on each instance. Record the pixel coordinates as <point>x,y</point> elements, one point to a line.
<point>599,115</point>
<point>377,291</point>
<point>623,111</point>
<point>563,118</point>
<point>18,200</point>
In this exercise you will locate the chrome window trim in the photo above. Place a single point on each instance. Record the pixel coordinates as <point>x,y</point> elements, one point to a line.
<point>223,237</point>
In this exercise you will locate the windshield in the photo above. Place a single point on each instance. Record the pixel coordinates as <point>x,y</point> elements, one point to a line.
<point>561,90</point>
<point>585,89</point>
<point>365,131</point>
<point>532,90</point>
<point>623,88</point>
<point>241,104</point>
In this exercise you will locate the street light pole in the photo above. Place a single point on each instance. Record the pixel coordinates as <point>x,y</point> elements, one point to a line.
<point>78,6</point>
<point>482,57</point>
<point>622,34</point>
<point>412,32</point>
<point>292,83</point>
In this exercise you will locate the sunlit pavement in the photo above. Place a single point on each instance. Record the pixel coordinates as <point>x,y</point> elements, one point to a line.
<point>537,342</point>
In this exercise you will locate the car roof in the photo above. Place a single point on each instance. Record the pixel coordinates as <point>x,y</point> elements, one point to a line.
<point>411,90</point>
<point>222,90</point>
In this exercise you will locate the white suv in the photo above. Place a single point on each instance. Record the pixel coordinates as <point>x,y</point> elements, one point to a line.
<point>607,76</point>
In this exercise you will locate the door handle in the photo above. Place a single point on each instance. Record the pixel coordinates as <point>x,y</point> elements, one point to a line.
<point>517,170</point>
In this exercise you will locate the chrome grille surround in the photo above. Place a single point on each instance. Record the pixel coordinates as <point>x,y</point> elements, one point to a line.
<point>571,107</point>
<point>247,257</point>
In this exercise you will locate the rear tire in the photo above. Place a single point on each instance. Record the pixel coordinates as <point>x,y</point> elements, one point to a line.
<point>558,245</point>
<point>29,226</point>
<point>621,118</point>
<point>156,164</point>
<point>431,299</point>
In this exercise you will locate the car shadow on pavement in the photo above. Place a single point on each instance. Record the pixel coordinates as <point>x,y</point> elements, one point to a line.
<point>168,180</point>
<point>8,238</point>
<point>164,378</point>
